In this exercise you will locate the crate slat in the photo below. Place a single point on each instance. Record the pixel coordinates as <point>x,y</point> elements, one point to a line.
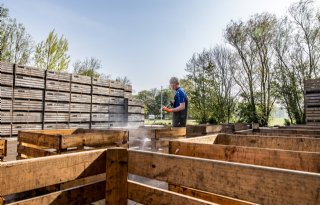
<point>6,117</point>
<point>6,104</point>
<point>101,82</point>
<point>26,117</point>
<point>116,84</point>
<point>76,107</point>
<point>6,92</point>
<point>116,109</point>
<point>6,79</point>
<point>101,125</point>
<point>100,108</point>
<point>27,105</point>
<point>58,86</point>
<point>135,102</point>
<point>100,99</point>
<point>79,117</point>
<point>127,95</point>
<point>21,127</point>
<point>53,126</point>
<point>30,82</point>
<point>57,96</point>
<point>100,90</point>
<point>128,88</point>
<point>116,92</point>
<point>99,117</point>
<point>79,88</point>
<point>81,79</point>
<point>58,76</point>
<point>6,67</point>
<point>28,93</point>
<point>57,107</point>
<point>82,98</point>
<point>79,125</point>
<point>116,117</point>
<point>30,71</point>
<point>116,100</point>
<point>56,117</point>
<point>5,129</point>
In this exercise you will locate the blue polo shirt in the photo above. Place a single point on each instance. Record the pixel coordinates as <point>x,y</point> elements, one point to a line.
<point>180,97</point>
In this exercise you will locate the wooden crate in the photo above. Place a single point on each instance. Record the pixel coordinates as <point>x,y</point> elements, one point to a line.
<point>19,127</point>
<point>5,130</point>
<point>55,126</point>
<point>116,109</point>
<point>116,84</point>
<point>135,102</point>
<point>100,90</point>
<point>116,100</point>
<point>99,117</point>
<point>56,117</point>
<point>117,125</point>
<point>3,149</point>
<point>6,79</point>
<point>116,92</point>
<point>6,92</point>
<point>52,142</point>
<point>100,108</point>
<point>29,82</point>
<point>135,117</point>
<point>116,117</point>
<point>101,82</point>
<point>135,109</point>
<point>26,117</point>
<point>81,79</point>
<point>100,99</point>
<point>57,107</point>
<point>154,138</point>
<point>6,67</point>
<point>200,130</point>
<point>80,117</point>
<point>127,95</point>
<point>79,107</point>
<point>100,125</point>
<point>29,71</point>
<point>27,105</point>
<point>6,104</point>
<point>128,88</point>
<point>58,76</point>
<point>6,116</point>
<point>28,93</point>
<point>80,98</point>
<point>79,88</point>
<point>57,85</point>
<point>57,96</point>
<point>76,125</point>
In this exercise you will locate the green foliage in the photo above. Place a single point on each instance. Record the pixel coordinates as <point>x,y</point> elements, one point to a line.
<point>51,54</point>
<point>125,80</point>
<point>88,67</point>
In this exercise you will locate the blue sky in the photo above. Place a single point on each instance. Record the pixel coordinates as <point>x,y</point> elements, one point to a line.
<point>146,40</point>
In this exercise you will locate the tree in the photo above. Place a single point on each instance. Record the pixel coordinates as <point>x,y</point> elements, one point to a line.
<point>125,80</point>
<point>16,44</point>
<point>51,54</point>
<point>88,67</point>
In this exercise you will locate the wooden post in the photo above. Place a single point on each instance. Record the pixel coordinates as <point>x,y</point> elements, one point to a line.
<point>2,201</point>
<point>116,176</point>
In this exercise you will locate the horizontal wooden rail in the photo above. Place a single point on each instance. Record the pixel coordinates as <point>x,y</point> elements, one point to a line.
<point>257,184</point>
<point>280,142</point>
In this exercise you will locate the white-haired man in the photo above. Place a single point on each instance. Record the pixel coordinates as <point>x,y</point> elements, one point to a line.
<point>180,104</point>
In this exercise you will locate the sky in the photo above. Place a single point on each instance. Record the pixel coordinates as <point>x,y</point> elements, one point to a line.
<point>146,40</point>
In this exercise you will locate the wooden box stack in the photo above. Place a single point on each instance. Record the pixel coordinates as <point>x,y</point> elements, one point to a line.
<point>312,101</point>
<point>135,112</point>
<point>36,99</point>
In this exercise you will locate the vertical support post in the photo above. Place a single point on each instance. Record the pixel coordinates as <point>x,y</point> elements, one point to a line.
<point>91,92</point>
<point>2,201</point>
<point>44,98</point>
<point>12,98</point>
<point>117,176</point>
<point>126,110</point>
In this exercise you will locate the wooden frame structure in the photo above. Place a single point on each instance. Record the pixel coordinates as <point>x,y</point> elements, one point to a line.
<point>154,139</point>
<point>42,143</point>
<point>110,169</point>
<point>292,132</point>
<point>3,149</point>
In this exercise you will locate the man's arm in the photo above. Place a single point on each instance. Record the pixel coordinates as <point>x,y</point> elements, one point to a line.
<point>181,107</point>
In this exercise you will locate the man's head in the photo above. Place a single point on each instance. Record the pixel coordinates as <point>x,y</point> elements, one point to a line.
<point>174,83</point>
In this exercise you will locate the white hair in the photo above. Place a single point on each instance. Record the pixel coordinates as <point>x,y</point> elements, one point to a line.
<point>174,80</point>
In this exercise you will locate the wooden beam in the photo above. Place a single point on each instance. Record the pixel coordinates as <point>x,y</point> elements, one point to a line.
<point>86,194</point>
<point>34,152</point>
<point>292,132</point>
<point>280,142</point>
<point>257,184</point>
<point>145,194</point>
<point>117,175</point>
<point>303,161</point>
<point>173,132</point>
<point>109,137</point>
<point>24,175</point>
<point>215,198</point>
<point>39,139</point>
<point>3,148</point>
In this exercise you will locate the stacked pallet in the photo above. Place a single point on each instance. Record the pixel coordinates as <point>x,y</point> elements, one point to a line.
<point>312,101</point>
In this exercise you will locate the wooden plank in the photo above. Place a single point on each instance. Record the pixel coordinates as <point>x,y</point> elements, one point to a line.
<point>28,93</point>
<point>59,76</point>
<point>135,102</point>
<point>17,127</point>
<point>80,117</point>
<point>25,117</point>
<point>6,79</point>
<point>100,99</point>
<point>79,88</point>
<point>81,79</point>
<point>100,108</point>
<point>56,107</point>
<point>116,117</point>
<point>215,198</point>
<point>6,92</point>
<point>56,117</point>
<point>6,104</point>
<point>78,107</point>
<point>100,82</point>
<point>304,144</point>
<point>3,148</point>
<point>54,126</point>
<point>116,109</point>
<point>246,182</point>
<point>171,132</point>
<point>116,92</point>
<point>40,139</point>
<point>116,176</point>
<point>100,90</point>
<point>57,96</point>
<point>85,194</point>
<point>27,105</point>
<point>103,138</point>
<point>291,132</point>
<point>116,100</point>
<point>128,88</point>
<point>81,98</point>
<point>303,161</point>
<point>57,85</point>
<point>116,84</point>
<point>99,117</point>
<point>6,67</point>
<point>5,129</point>
<point>145,194</point>
<point>29,82</point>
<point>24,175</point>
<point>34,152</point>
<point>29,71</point>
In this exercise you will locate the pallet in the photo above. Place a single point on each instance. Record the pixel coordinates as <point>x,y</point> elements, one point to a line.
<point>6,67</point>
<point>80,98</point>
<point>26,105</point>
<point>30,71</point>
<point>28,93</point>
<point>80,79</point>
<point>79,88</point>
<point>29,82</point>
<point>6,79</point>
<point>77,107</point>
<point>56,117</point>
<point>6,92</point>
<point>58,76</point>
<point>57,86</point>
<point>57,107</point>
<point>100,90</point>
<point>98,99</point>
<point>79,117</point>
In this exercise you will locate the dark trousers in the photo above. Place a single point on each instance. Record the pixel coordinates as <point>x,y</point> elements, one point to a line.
<point>179,119</point>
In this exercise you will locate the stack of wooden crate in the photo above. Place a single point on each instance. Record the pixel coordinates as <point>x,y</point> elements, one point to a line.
<point>135,112</point>
<point>312,101</point>
<point>38,99</point>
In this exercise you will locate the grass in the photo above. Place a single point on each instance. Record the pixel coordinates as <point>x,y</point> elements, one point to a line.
<point>276,121</point>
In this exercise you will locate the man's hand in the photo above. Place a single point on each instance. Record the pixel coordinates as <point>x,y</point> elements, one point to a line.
<point>166,109</point>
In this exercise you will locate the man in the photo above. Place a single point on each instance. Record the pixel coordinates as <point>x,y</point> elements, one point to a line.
<point>180,104</point>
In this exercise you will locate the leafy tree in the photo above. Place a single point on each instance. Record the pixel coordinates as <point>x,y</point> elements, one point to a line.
<point>125,80</point>
<point>88,67</point>
<point>16,45</point>
<point>51,54</point>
